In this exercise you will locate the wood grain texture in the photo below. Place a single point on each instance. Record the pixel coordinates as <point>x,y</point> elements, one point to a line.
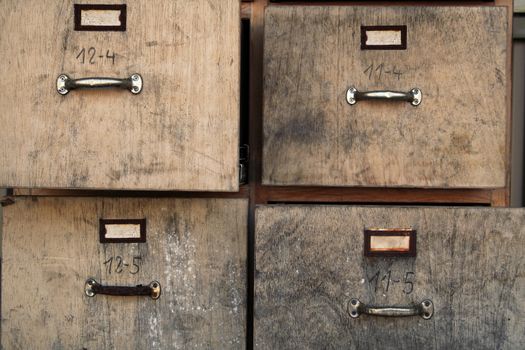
<point>196,249</point>
<point>180,133</point>
<point>456,138</point>
<point>309,264</point>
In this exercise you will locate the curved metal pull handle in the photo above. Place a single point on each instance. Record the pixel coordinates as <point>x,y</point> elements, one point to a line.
<point>414,96</point>
<point>65,84</point>
<point>93,288</point>
<point>425,309</point>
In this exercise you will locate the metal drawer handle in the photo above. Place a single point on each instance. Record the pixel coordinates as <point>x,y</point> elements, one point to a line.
<point>414,96</point>
<point>425,309</point>
<point>65,84</point>
<point>93,288</point>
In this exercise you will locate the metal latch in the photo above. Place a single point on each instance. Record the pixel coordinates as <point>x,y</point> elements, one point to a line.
<point>244,156</point>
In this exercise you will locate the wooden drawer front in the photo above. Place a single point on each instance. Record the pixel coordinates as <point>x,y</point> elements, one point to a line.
<point>456,137</point>
<point>195,249</point>
<point>179,133</point>
<point>310,264</point>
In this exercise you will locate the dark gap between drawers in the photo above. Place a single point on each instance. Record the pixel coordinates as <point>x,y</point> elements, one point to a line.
<point>244,136</point>
<point>244,139</point>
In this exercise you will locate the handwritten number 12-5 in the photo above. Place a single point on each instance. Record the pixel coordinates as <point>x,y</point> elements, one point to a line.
<point>118,265</point>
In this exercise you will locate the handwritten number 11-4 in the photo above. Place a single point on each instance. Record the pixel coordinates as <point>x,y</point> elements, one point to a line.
<point>380,70</point>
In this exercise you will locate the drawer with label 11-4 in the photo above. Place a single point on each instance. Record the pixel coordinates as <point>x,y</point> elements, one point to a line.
<point>386,96</point>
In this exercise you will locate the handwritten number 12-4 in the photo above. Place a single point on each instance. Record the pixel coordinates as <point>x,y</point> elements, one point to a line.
<point>91,56</point>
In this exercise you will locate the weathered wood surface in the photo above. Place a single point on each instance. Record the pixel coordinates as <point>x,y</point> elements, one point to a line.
<point>180,133</point>
<point>196,249</point>
<point>456,138</point>
<point>309,264</point>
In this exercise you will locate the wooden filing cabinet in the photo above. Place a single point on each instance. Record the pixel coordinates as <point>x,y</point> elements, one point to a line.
<point>193,249</point>
<point>447,66</point>
<point>463,284</point>
<point>181,132</point>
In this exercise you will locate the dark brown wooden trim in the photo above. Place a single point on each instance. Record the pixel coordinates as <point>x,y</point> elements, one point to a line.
<point>382,3</point>
<point>271,194</point>
<point>500,198</point>
<point>275,194</point>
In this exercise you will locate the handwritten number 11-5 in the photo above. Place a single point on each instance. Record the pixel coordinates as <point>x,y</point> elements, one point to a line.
<point>387,281</point>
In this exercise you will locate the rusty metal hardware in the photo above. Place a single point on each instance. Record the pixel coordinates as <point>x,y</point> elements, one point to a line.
<point>394,242</point>
<point>65,84</point>
<point>92,288</point>
<point>425,309</point>
<point>414,96</point>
